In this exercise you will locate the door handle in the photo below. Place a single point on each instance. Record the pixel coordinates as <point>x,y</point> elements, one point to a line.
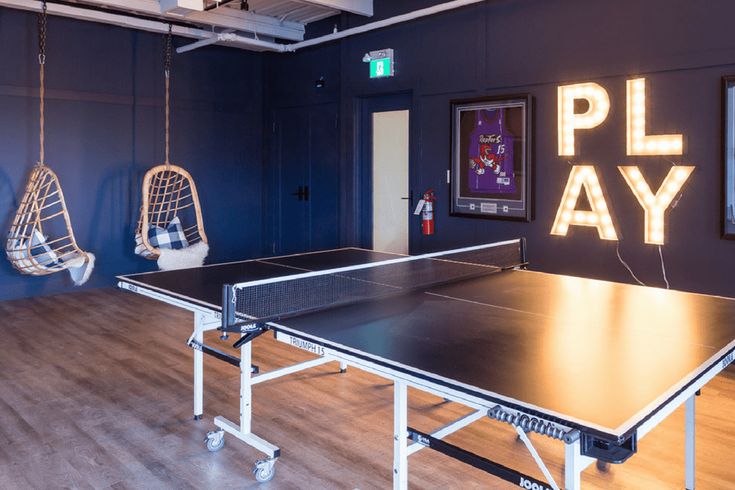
<point>409,198</point>
<point>302,193</point>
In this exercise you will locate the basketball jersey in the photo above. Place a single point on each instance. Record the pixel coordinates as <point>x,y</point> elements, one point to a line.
<point>491,165</point>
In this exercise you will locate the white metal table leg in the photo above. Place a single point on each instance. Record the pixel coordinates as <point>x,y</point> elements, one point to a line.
<point>573,466</point>
<point>400,436</point>
<point>198,367</point>
<point>246,386</point>
<point>689,436</point>
<point>264,469</point>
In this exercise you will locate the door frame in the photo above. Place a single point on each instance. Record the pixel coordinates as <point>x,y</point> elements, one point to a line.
<point>363,176</point>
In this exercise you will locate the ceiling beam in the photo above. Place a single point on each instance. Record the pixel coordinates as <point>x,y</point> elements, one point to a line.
<point>176,6</point>
<point>379,24</point>
<point>120,20</point>
<point>228,38</point>
<point>224,18</point>
<point>359,7</point>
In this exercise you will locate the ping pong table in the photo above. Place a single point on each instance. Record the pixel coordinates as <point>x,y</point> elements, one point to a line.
<point>594,364</point>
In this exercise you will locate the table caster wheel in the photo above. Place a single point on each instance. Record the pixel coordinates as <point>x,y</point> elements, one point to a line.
<point>215,440</point>
<point>603,466</point>
<point>265,470</point>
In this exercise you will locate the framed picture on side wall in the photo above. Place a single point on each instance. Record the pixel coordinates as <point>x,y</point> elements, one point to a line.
<point>490,174</point>
<point>728,156</point>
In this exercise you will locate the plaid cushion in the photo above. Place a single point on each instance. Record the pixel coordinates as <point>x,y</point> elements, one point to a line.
<point>42,252</point>
<point>172,237</point>
<point>39,249</point>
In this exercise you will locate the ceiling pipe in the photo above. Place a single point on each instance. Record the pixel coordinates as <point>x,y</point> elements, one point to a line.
<point>94,13</point>
<point>214,39</point>
<point>143,24</point>
<point>398,19</point>
<point>217,5</point>
<point>206,37</point>
<point>229,37</point>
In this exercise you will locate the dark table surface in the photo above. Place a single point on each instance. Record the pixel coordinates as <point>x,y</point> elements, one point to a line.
<point>203,285</point>
<point>598,354</point>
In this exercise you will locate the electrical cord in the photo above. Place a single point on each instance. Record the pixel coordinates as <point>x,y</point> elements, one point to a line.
<point>625,264</point>
<point>663,267</point>
<point>660,249</point>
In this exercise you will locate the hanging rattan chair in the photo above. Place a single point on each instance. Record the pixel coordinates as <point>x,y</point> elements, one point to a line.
<point>41,239</point>
<point>169,192</point>
<point>169,196</point>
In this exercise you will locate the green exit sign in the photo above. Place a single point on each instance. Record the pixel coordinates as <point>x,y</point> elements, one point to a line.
<point>381,63</point>
<point>382,67</point>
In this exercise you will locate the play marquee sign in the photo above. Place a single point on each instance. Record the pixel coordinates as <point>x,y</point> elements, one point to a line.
<point>583,178</point>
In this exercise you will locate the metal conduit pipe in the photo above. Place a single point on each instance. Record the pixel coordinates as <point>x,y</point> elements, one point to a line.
<point>229,37</point>
<point>207,38</point>
<point>217,5</point>
<point>416,14</point>
<point>139,23</point>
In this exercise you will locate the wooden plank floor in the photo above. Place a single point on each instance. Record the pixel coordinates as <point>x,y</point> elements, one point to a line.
<point>95,392</point>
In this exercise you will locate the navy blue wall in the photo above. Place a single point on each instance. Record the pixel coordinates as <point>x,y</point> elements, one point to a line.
<point>290,84</point>
<point>105,128</point>
<point>502,47</point>
<point>105,124</point>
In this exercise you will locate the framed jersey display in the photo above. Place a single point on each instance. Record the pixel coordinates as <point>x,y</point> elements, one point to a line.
<point>728,151</point>
<point>491,158</point>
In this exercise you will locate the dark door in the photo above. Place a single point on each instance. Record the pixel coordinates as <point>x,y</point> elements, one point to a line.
<point>306,154</point>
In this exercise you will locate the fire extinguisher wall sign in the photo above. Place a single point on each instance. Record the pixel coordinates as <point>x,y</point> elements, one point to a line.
<point>425,208</point>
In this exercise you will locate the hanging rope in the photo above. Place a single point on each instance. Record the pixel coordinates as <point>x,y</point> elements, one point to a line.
<point>167,73</point>
<point>42,23</point>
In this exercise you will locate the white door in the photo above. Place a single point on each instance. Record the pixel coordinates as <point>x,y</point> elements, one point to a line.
<point>390,181</point>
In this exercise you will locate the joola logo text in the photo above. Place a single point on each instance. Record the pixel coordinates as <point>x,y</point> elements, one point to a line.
<point>531,485</point>
<point>424,441</point>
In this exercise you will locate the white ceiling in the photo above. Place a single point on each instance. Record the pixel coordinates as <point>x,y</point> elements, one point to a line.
<point>251,24</point>
<point>257,25</point>
<point>284,19</point>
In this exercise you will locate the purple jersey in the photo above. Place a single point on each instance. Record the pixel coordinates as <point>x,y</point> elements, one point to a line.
<point>491,155</point>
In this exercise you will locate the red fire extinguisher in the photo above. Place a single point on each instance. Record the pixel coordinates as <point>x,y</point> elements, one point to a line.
<point>427,214</point>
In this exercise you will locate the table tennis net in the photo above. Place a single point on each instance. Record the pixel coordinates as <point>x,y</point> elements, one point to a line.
<point>273,299</point>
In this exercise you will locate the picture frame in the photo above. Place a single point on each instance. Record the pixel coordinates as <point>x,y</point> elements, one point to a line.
<point>728,157</point>
<point>492,157</point>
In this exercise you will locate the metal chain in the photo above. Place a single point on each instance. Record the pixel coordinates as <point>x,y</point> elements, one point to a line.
<point>42,24</point>
<point>167,73</point>
<point>168,51</point>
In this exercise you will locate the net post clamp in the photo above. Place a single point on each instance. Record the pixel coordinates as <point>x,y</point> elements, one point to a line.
<point>249,337</point>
